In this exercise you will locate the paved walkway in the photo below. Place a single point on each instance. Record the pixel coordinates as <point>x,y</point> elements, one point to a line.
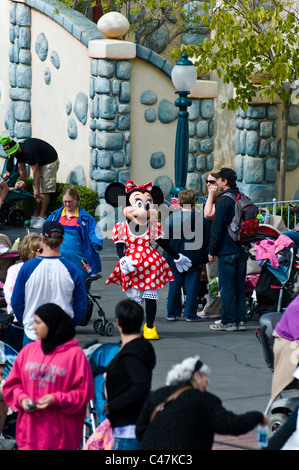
<point>246,442</point>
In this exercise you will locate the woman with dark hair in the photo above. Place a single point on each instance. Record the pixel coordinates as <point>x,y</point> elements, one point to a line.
<point>50,385</point>
<point>213,307</point>
<point>129,375</point>
<point>188,419</point>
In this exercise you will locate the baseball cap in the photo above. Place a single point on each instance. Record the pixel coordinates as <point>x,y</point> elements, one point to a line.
<point>226,173</point>
<point>52,227</point>
<point>9,145</point>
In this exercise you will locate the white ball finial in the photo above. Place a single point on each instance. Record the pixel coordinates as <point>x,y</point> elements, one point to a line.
<point>113,25</point>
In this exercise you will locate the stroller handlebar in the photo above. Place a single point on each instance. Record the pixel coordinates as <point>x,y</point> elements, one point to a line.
<point>93,277</point>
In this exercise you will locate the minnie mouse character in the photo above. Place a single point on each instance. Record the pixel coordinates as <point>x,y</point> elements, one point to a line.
<point>141,269</point>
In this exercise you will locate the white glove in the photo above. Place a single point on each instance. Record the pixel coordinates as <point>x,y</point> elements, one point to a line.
<point>126,265</point>
<point>183,263</point>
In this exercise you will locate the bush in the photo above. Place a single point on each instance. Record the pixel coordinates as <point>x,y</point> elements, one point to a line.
<point>89,199</point>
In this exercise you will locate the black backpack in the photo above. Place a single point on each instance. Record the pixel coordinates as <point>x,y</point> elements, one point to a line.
<point>244,225</point>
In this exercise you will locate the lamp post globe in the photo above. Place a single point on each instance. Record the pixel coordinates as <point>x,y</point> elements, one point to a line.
<point>183,77</point>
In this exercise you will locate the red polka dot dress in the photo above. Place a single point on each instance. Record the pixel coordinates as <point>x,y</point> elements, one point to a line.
<point>151,269</point>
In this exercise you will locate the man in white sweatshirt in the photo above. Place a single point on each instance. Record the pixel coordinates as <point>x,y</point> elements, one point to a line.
<point>48,278</point>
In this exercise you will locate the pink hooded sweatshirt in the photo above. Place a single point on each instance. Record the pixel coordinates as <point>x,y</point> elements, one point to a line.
<point>65,373</point>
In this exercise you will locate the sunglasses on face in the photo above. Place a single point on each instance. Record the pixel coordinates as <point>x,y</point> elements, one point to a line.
<point>210,182</point>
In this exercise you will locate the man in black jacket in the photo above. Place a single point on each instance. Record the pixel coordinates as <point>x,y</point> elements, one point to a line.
<point>232,258</point>
<point>188,233</point>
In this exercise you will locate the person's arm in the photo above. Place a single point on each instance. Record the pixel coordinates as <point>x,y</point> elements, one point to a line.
<point>92,231</point>
<point>13,388</point>
<point>9,284</point>
<point>18,297</point>
<point>120,249</point>
<point>36,181</point>
<point>23,173</point>
<point>3,192</point>
<point>209,210</point>
<point>214,235</point>
<point>222,421</point>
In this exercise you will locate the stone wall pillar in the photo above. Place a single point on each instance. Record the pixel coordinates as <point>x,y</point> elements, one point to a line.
<point>256,151</point>
<point>18,116</point>
<point>110,96</point>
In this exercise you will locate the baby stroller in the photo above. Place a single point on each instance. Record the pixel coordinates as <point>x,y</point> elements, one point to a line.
<point>8,355</point>
<point>274,287</point>
<point>101,326</point>
<point>99,357</point>
<point>279,409</point>
<point>9,214</point>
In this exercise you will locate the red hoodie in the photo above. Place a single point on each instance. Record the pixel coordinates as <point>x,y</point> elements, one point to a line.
<point>66,374</point>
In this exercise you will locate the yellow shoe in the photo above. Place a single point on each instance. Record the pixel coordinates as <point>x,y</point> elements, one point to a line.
<point>150,333</point>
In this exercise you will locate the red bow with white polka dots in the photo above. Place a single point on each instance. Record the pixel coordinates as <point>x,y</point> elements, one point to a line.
<point>131,185</point>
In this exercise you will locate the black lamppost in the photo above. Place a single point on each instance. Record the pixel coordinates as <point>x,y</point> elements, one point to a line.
<point>183,76</point>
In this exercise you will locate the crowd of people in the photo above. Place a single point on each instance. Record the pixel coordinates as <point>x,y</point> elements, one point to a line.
<point>51,382</point>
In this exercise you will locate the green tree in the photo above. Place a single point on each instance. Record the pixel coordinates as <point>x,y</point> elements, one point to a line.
<point>82,6</point>
<point>253,38</point>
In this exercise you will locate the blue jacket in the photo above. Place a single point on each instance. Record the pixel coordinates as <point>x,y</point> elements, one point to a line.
<point>91,234</point>
<point>188,234</point>
<point>221,243</point>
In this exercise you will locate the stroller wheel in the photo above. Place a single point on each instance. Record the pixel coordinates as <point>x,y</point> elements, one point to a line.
<point>16,218</point>
<point>96,326</point>
<point>276,421</point>
<point>99,327</point>
<point>109,329</point>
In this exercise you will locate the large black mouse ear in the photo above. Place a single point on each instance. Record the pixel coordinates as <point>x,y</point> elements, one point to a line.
<point>157,195</point>
<point>115,191</point>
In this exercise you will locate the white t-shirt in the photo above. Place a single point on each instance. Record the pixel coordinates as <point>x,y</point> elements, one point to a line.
<point>1,179</point>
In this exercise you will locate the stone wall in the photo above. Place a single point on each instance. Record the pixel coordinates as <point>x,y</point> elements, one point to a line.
<point>258,148</point>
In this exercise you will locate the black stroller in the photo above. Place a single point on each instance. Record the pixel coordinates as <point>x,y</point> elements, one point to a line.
<point>101,326</point>
<point>274,288</point>
<point>9,214</point>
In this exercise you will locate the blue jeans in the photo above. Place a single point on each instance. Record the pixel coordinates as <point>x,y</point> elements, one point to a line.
<point>125,444</point>
<point>191,281</point>
<point>232,283</point>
